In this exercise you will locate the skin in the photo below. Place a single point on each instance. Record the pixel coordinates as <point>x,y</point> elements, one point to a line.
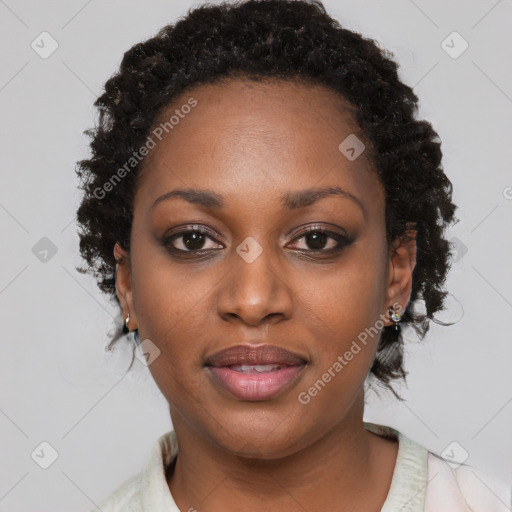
<point>250,143</point>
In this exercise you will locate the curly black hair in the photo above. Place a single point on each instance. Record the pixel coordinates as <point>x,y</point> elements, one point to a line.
<point>274,39</point>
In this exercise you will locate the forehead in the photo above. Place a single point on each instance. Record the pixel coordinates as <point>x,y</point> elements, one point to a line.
<point>243,135</point>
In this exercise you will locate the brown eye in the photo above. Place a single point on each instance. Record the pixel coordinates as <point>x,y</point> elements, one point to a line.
<point>191,240</point>
<point>317,240</point>
<point>321,240</point>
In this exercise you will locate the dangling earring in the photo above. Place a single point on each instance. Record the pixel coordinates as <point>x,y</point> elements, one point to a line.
<point>126,330</point>
<point>396,317</point>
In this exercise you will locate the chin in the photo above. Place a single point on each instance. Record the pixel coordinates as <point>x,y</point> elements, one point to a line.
<point>260,435</point>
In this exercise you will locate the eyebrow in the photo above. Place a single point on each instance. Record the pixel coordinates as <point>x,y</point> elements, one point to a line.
<point>290,200</point>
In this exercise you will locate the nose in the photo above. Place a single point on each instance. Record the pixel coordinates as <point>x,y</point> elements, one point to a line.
<point>255,292</point>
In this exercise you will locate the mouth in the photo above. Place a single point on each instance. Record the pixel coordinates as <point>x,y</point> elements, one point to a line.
<point>256,368</point>
<point>254,373</point>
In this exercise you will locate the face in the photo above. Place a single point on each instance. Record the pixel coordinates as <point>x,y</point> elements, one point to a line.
<point>286,246</point>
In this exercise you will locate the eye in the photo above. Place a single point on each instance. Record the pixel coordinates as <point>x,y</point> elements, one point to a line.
<point>191,240</point>
<point>197,239</point>
<point>322,240</point>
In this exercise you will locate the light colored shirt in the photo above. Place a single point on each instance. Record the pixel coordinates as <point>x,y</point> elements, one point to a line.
<point>422,482</point>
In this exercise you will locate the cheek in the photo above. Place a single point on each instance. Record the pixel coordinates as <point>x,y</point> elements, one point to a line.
<point>170,303</point>
<point>348,298</point>
<point>344,314</point>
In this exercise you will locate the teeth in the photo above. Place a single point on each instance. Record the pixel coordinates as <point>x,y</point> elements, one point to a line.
<point>250,368</point>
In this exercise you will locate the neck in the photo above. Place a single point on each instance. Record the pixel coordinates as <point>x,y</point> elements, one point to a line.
<point>348,468</point>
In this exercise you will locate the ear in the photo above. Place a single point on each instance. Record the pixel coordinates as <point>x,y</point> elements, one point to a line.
<point>124,285</point>
<point>402,260</point>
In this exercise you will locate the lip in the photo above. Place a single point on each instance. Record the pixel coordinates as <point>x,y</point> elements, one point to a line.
<point>253,385</point>
<point>254,354</point>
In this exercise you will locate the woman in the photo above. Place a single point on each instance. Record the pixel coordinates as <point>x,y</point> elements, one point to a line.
<point>268,212</point>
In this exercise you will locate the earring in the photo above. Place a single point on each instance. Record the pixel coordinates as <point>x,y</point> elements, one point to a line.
<point>126,329</point>
<point>396,317</point>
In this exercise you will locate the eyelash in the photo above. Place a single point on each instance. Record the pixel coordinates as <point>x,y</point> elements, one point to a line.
<point>343,241</point>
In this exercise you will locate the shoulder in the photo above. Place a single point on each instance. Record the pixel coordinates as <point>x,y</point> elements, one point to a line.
<point>461,487</point>
<point>126,498</point>
<point>147,490</point>
<point>423,481</point>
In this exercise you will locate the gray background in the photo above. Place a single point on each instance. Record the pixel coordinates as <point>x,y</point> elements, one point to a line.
<point>57,383</point>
